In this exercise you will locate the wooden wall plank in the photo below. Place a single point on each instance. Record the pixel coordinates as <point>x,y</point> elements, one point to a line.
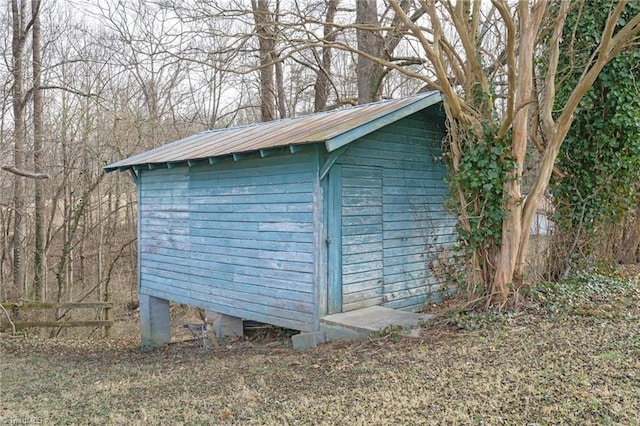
<point>415,224</point>
<point>253,312</point>
<point>237,238</point>
<point>225,295</point>
<point>361,235</point>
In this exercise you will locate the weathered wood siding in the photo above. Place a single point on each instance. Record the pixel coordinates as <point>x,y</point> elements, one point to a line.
<point>361,236</point>
<point>417,231</point>
<point>236,237</point>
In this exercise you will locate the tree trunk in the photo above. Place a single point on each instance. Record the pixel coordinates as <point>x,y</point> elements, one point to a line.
<point>323,79</point>
<point>264,32</point>
<point>38,136</point>
<point>632,240</point>
<point>369,73</point>
<point>5,226</point>
<point>281,100</point>
<point>18,10</point>
<point>512,226</point>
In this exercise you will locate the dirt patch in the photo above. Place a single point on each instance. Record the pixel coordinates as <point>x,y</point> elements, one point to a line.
<point>569,367</point>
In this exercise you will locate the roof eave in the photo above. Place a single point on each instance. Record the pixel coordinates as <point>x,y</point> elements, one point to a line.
<point>236,156</point>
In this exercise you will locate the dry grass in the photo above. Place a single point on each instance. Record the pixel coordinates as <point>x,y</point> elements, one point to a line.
<point>532,367</point>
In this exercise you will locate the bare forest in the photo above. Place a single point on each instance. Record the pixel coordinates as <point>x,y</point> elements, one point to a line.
<point>86,83</point>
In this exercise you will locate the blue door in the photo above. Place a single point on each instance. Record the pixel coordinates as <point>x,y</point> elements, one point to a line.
<point>355,238</point>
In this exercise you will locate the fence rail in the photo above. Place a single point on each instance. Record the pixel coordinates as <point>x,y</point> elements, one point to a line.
<point>11,309</point>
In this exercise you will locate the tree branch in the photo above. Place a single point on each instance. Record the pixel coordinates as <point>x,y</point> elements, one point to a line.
<point>431,50</point>
<point>23,173</point>
<point>549,94</point>
<point>510,51</point>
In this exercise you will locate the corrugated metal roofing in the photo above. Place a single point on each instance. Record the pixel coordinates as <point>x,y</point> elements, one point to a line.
<point>335,128</point>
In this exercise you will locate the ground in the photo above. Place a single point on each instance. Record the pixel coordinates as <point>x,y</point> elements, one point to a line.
<point>575,360</point>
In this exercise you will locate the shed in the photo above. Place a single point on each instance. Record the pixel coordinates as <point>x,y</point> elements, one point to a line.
<point>289,221</point>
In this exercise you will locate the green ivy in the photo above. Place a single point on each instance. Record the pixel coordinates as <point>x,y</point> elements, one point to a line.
<point>485,167</point>
<point>592,288</point>
<point>601,153</point>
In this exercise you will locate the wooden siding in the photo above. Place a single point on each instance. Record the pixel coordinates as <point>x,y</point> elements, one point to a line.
<point>361,237</point>
<point>236,238</point>
<point>417,231</point>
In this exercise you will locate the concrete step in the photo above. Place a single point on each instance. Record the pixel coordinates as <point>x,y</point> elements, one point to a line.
<point>361,323</point>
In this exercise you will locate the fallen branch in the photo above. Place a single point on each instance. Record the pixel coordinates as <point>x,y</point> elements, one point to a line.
<point>24,173</point>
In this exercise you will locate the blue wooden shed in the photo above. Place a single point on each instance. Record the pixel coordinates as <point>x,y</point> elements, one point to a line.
<point>289,221</point>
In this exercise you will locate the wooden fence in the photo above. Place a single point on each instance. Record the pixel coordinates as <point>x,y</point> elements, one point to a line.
<point>12,309</point>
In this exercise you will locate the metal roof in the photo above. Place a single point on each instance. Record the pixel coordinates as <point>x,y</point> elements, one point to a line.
<point>335,128</point>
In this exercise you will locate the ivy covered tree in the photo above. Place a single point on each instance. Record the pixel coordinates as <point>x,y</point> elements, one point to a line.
<point>600,161</point>
<point>497,105</point>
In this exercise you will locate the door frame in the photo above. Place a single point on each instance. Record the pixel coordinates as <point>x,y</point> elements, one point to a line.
<point>334,240</point>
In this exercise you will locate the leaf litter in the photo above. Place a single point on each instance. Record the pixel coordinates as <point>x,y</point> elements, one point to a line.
<point>536,367</point>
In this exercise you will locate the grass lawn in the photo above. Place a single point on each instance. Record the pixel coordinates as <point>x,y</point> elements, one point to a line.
<point>570,356</point>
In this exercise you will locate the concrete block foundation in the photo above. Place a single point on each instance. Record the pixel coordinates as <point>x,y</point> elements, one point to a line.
<point>155,321</point>
<point>304,341</point>
<point>225,325</point>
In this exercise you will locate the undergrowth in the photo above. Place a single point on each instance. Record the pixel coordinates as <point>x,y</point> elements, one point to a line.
<point>600,294</point>
<point>585,292</point>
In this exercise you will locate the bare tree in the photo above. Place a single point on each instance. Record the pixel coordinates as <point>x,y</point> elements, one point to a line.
<point>38,137</point>
<point>323,79</point>
<point>21,27</point>
<point>266,40</point>
<point>369,71</point>
<point>378,38</point>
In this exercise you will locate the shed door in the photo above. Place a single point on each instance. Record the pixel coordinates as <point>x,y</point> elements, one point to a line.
<point>357,218</point>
